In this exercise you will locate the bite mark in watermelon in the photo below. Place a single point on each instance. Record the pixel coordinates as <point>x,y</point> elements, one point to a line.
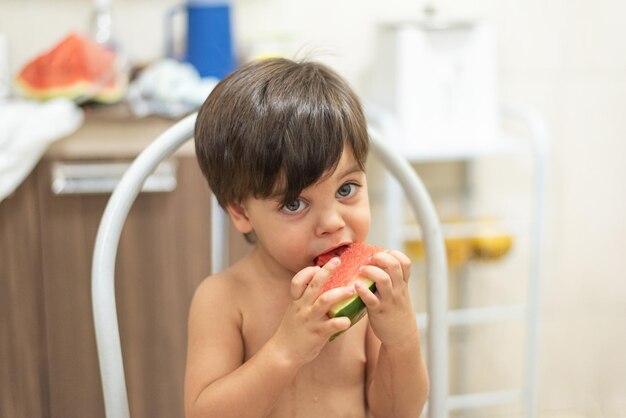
<point>352,258</point>
<point>77,68</point>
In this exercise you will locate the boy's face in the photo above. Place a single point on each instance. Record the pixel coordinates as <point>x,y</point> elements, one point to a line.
<point>329,214</point>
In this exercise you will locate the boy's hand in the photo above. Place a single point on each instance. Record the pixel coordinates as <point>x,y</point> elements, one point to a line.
<point>306,327</point>
<point>389,310</point>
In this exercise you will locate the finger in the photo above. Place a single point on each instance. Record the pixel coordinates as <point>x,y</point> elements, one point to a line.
<point>301,280</point>
<point>328,299</point>
<point>368,297</point>
<point>338,324</point>
<point>384,285</point>
<point>387,262</point>
<point>316,284</point>
<point>405,263</point>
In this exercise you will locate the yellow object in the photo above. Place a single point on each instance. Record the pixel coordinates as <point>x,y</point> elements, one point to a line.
<point>458,250</point>
<point>414,249</point>
<point>484,241</point>
<point>492,247</point>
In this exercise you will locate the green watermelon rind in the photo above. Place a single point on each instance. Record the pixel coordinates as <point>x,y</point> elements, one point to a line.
<point>353,308</point>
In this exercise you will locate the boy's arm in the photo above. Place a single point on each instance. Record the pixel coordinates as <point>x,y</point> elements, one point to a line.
<point>217,382</point>
<point>397,385</point>
<point>397,378</point>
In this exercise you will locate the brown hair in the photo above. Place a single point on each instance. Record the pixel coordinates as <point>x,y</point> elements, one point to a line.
<point>274,127</point>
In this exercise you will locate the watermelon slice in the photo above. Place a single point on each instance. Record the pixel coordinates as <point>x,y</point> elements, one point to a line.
<point>352,258</point>
<point>77,68</point>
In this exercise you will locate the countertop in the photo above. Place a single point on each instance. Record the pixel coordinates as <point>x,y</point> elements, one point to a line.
<point>111,132</point>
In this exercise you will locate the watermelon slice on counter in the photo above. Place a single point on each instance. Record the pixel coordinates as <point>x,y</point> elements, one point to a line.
<point>352,258</point>
<point>77,68</point>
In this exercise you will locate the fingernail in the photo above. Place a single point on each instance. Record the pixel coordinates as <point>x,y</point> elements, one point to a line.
<point>334,261</point>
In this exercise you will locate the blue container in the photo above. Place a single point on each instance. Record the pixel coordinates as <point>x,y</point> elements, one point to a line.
<point>209,46</point>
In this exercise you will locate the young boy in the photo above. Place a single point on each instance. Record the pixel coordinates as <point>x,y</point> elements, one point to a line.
<point>283,146</point>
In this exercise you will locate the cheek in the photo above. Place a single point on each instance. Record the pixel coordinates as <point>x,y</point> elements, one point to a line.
<point>288,245</point>
<point>361,219</point>
<point>292,255</point>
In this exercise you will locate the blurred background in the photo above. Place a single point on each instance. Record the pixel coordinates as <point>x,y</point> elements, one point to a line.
<point>563,60</point>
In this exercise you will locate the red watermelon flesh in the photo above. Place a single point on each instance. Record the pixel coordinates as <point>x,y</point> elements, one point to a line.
<point>76,68</point>
<point>322,259</point>
<point>352,258</point>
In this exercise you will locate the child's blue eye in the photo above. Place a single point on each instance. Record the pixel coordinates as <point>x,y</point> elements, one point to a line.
<point>346,190</point>
<point>295,206</point>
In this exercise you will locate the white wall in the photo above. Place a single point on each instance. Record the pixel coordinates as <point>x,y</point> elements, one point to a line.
<point>566,58</point>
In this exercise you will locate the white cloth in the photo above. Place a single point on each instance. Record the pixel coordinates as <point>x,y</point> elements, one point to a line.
<point>27,128</point>
<point>168,88</point>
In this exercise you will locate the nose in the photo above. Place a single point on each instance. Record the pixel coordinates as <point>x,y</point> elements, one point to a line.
<point>330,220</point>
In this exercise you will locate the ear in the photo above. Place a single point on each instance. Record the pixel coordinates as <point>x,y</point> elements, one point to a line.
<point>239,217</point>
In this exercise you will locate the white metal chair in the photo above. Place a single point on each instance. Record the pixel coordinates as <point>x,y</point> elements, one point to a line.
<point>107,240</point>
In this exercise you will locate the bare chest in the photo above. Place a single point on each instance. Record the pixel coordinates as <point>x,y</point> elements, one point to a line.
<point>330,385</point>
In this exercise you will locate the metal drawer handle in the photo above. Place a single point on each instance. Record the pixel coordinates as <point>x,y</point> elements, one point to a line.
<point>102,177</point>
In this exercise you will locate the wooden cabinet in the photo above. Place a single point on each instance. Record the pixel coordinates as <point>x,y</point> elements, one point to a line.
<point>49,360</point>
<point>23,375</point>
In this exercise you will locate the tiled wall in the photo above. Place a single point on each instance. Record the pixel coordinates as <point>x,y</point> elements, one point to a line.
<point>565,58</point>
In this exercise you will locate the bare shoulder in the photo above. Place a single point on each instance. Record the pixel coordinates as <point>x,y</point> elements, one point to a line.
<point>218,302</point>
<point>216,286</point>
<point>217,296</point>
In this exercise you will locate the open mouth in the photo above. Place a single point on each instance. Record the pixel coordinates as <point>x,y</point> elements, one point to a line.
<point>322,259</point>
